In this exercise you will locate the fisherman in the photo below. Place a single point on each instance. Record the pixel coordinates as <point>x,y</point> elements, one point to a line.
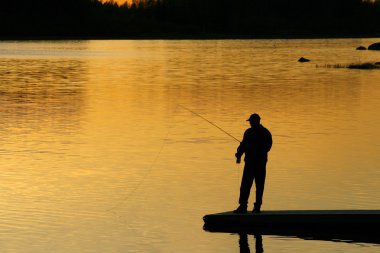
<point>257,142</point>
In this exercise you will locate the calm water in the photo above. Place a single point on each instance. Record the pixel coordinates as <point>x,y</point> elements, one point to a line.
<point>97,153</point>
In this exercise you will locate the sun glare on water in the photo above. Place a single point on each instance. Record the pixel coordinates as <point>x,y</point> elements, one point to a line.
<point>118,1</point>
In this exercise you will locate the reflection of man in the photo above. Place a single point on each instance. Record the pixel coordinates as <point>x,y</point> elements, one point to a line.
<point>243,243</point>
<point>257,142</point>
<point>244,246</point>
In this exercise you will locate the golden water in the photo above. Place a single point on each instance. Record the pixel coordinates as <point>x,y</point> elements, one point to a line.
<point>97,153</point>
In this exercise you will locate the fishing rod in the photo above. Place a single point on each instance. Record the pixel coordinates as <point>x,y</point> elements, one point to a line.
<point>215,125</point>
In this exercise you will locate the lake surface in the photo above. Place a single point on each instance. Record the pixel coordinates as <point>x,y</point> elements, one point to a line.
<point>98,152</point>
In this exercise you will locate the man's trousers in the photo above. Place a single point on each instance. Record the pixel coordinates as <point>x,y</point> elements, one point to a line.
<point>253,171</point>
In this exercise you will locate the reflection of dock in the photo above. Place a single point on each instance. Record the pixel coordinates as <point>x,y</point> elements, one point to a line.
<point>352,225</point>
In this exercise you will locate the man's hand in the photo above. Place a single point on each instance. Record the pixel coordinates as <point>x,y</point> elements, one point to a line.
<point>238,158</point>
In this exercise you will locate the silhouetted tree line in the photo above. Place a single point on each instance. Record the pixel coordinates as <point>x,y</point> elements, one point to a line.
<point>150,18</point>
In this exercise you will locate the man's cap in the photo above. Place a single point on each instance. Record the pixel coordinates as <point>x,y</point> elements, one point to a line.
<point>254,117</point>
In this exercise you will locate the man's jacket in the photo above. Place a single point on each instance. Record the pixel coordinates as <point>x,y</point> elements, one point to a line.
<point>257,142</point>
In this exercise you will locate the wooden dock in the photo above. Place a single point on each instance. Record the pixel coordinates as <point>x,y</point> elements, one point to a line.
<point>357,221</point>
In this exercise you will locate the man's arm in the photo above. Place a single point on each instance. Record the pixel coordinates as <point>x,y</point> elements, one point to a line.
<point>241,149</point>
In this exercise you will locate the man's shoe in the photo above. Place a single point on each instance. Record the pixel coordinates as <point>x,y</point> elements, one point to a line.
<point>256,209</point>
<point>241,209</point>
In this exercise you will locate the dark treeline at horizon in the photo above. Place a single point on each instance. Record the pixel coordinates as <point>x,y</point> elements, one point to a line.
<point>176,18</point>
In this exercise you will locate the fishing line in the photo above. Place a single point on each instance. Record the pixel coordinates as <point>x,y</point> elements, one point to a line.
<point>212,123</point>
<point>145,176</point>
<point>135,189</point>
<point>221,129</point>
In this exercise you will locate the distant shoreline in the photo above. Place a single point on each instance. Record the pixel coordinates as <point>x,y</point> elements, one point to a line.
<point>188,37</point>
<point>188,20</point>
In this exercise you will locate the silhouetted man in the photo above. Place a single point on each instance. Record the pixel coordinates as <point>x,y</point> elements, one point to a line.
<point>257,142</point>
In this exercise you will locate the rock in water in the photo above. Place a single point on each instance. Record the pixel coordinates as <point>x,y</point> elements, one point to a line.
<point>374,46</point>
<point>303,60</point>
